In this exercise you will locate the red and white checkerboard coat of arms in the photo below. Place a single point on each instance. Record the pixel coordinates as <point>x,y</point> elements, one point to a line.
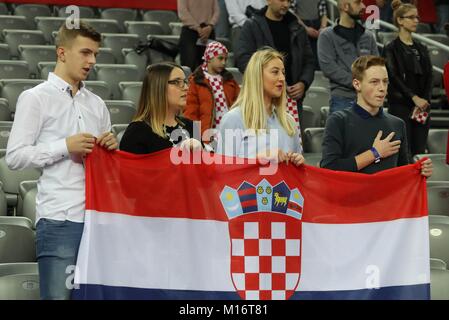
<point>265,233</point>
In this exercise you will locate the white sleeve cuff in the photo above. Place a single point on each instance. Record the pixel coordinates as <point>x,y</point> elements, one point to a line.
<point>59,150</point>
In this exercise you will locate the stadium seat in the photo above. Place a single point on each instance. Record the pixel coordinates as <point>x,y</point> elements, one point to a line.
<point>120,15</point>
<point>85,12</point>
<point>386,37</point>
<point>100,88</point>
<point>238,76</point>
<point>17,221</point>
<point>14,38</point>
<point>7,269</point>
<point>12,178</point>
<point>439,284</point>
<point>3,202</point>
<point>3,8</point>
<point>17,243</point>
<point>437,264</point>
<point>13,69</point>
<point>104,25</point>
<point>317,97</point>
<point>119,41</point>
<point>30,11</point>
<point>118,130</point>
<point>45,68</point>
<point>13,23</point>
<point>24,187</point>
<point>105,56</point>
<point>162,16</point>
<point>320,80</point>
<point>439,237</point>
<point>438,198</point>
<point>312,159</point>
<point>313,139</point>
<point>438,37</point>
<point>121,111</point>
<point>115,73</point>
<point>29,205</point>
<point>130,90</point>
<point>5,113</point>
<point>33,54</point>
<point>156,56</point>
<point>175,27</point>
<point>144,28</point>
<point>48,25</point>
<point>440,168</point>
<point>324,115</point>
<point>5,129</point>
<point>310,117</point>
<point>20,287</point>
<point>12,88</point>
<point>437,140</point>
<point>438,57</point>
<point>187,71</point>
<point>4,52</point>
<point>139,60</point>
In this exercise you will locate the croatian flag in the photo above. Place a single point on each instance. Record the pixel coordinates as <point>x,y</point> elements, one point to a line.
<point>157,230</point>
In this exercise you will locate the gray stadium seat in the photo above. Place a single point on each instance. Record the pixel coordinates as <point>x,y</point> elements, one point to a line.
<point>20,287</point>
<point>100,88</point>
<point>144,28</point>
<point>85,12</point>
<point>310,117</point>
<point>13,69</point>
<point>120,15</point>
<point>3,8</point>
<point>4,52</point>
<point>121,111</point>
<point>48,25</point>
<point>324,115</point>
<point>439,237</point>
<point>437,264</point>
<point>33,54</point>
<point>119,41</point>
<point>313,138</point>
<point>317,97</point>
<point>437,140</point>
<point>17,221</point>
<point>438,198</point>
<point>187,71</point>
<point>313,159</point>
<point>442,38</point>
<point>320,80</point>
<point>24,187</point>
<point>3,202</point>
<point>5,113</point>
<point>175,27</point>
<point>13,23</point>
<point>439,284</point>
<point>156,56</point>
<point>162,16</point>
<point>386,37</point>
<point>105,55</point>
<point>115,73</point>
<point>45,68</point>
<point>438,57</point>
<point>12,178</point>
<point>14,38</point>
<point>5,129</point>
<point>238,76</point>
<point>118,130</point>
<point>7,269</point>
<point>104,25</point>
<point>16,244</point>
<point>440,168</point>
<point>30,11</point>
<point>12,88</point>
<point>29,205</point>
<point>139,60</point>
<point>130,90</point>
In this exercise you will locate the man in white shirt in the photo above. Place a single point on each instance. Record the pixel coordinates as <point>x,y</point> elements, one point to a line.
<point>56,124</point>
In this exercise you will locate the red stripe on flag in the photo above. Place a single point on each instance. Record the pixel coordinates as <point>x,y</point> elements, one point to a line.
<point>249,203</point>
<point>246,192</point>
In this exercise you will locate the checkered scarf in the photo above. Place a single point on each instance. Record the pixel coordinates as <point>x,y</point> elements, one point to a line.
<point>214,49</point>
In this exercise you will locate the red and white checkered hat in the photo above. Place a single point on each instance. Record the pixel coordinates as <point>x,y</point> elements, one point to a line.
<point>213,50</point>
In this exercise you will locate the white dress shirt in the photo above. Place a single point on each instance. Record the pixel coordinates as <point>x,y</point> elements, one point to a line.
<point>45,116</point>
<point>237,8</point>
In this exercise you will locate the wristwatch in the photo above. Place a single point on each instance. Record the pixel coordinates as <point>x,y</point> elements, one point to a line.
<point>376,155</point>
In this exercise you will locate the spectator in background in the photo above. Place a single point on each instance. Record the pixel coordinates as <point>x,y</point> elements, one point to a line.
<point>275,26</point>
<point>426,11</point>
<point>313,14</point>
<point>446,87</point>
<point>339,47</point>
<point>442,7</point>
<point>212,89</point>
<point>222,28</point>
<point>386,12</point>
<point>199,18</point>
<point>410,72</point>
<point>239,11</point>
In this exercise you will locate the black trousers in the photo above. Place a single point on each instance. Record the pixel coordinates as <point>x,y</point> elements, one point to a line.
<point>190,53</point>
<point>416,133</point>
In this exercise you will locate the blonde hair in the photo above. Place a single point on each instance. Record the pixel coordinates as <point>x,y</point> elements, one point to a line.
<point>251,97</point>
<point>400,9</point>
<point>153,98</point>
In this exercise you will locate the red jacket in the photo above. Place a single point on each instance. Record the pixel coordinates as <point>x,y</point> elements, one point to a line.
<point>200,98</point>
<point>446,86</point>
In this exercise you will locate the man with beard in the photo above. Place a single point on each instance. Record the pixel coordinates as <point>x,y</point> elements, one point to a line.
<point>339,47</point>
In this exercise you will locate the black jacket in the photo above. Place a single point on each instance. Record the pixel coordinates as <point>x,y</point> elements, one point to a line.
<point>256,34</point>
<point>399,64</point>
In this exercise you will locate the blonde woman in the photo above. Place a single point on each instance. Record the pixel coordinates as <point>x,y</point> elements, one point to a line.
<point>258,125</point>
<point>157,124</point>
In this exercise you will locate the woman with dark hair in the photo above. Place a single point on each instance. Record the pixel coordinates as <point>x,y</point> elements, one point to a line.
<point>157,124</point>
<point>410,73</point>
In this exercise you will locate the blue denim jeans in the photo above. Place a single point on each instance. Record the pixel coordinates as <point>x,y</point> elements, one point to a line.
<point>338,103</point>
<point>57,244</point>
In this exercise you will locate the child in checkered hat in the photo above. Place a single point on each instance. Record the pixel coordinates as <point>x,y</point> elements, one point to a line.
<point>212,89</point>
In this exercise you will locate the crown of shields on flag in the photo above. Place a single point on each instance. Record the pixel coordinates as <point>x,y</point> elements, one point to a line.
<point>265,231</point>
